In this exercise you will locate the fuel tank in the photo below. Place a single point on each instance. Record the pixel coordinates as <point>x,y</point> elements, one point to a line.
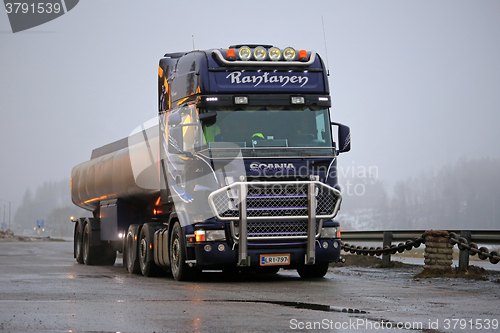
<point>126,169</point>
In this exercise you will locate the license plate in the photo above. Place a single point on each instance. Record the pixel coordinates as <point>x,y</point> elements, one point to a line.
<point>274,259</point>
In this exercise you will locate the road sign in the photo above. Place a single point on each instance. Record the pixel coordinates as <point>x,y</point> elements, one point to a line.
<point>40,223</point>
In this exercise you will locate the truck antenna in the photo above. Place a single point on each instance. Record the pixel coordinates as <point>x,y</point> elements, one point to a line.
<point>193,42</point>
<point>326,49</point>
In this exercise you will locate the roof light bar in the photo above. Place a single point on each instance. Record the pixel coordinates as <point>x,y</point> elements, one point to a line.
<point>264,54</point>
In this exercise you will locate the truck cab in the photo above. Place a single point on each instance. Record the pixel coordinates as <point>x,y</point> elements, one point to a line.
<point>249,158</point>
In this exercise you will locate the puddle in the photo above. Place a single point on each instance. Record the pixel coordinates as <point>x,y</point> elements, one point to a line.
<point>296,305</point>
<point>78,276</point>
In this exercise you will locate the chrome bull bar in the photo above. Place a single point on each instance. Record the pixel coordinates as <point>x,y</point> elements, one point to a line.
<point>274,201</point>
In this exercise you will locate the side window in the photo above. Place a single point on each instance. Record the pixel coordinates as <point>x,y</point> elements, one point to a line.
<point>320,126</point>
<point>190,129</point>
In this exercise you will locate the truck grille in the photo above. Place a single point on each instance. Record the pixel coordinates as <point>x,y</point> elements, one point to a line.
<point>280,200</point>
<point>259,229</point>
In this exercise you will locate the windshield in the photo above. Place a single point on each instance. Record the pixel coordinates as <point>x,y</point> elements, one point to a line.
<point>254,127</point>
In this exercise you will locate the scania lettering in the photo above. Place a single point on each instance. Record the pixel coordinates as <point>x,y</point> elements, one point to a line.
<point>237,171</point>
<point>271,166</point>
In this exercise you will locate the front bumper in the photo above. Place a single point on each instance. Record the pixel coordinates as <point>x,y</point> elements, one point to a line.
<point>218,255</point>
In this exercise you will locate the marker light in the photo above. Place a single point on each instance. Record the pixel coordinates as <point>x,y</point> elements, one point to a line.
<point>298,100</point>
<point>274,54</point>
<point>231,54</point>
<point>245,53</point>
<point>200,235</point>
<point>289,54</point>
<point>241,100</point>
<point>211,99</point>
<point>303,55</point>
<point>260,53</point>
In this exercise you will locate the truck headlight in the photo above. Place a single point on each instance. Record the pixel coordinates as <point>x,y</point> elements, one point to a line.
<point>210,235</point>
<point>215,235</point>
<point>329,232</point>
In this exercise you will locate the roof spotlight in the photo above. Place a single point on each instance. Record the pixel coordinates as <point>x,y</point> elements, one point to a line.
<point>275,54</point>
<point>260,53</point>
<point>245,53</point>
<point>289,54</point>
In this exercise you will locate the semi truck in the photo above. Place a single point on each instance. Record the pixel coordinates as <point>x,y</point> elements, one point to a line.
<point>238,171</point>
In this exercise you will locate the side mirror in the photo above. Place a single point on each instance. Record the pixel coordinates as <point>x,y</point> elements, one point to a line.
<point>208,118</point>
<point>344,135</point>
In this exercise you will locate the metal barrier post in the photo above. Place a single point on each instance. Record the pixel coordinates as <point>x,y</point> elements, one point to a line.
<point>386,258</point>
<point>243,259</point>
<point>463,258</point>
<point>311,225</point>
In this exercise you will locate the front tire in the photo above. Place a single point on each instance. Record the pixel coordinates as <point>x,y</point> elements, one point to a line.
<point>315,271</point>
<point>180,270</point>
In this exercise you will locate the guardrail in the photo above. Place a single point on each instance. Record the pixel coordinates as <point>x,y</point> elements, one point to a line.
<point>389,236</point>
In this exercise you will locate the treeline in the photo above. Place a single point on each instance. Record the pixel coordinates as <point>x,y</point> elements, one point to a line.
<point>462,195</point>
<point>50,202</point>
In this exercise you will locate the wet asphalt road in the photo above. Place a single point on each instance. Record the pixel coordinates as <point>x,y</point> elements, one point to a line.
<point>42,289</point>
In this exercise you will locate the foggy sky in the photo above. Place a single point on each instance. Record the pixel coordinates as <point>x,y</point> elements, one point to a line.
<point>417,81</point>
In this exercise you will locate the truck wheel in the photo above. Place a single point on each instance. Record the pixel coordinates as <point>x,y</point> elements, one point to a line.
<point>90,253</point>
<point>147,265</point>
<point>313,271</point>
<point>77,245</point>
<point>267,270</point>
<point>132,261</point>
<point>180,270</point>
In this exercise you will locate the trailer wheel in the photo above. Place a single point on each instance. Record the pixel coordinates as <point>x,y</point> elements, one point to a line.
<point>132,261</point>
<point>180,270</point>
<point>77,245</point>
<point>315,271</point>
<point>147,265</point>
<point>90,253</point>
